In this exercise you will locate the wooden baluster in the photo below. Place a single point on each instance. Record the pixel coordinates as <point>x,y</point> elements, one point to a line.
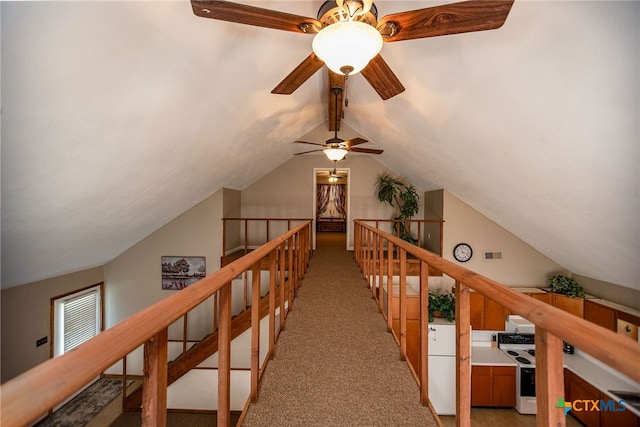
<point>224,236</point>
<point>255,331</point>
<point>246,236</point>
<point>365,250</point>
<point>357,243</point>
<point>424,333</point>
<point>380,273</point>
<point>292,275</point>
<point>224,356</point>
<point>403,304</point>
<point>463,352</point>
<point>124,381</point>
<point>154,391</point>
<point>268,231</point>
<point>389,287</point>
<point>185,332</point>
<point>282,284</point>
<point>549,379</point>
<point>374,261</point>
<point>272,299</point>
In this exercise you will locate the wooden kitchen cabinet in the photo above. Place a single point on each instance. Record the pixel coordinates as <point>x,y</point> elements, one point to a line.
<point>600,314</point>
<point>577,388</point>
<point>486,314</point>
<point>544,297</point>
<point>494,315</point>
<point>493,386</point>
<point>617,418</point>
<point>574,306</point>
<point>476,308</point>
<point>627,324</point>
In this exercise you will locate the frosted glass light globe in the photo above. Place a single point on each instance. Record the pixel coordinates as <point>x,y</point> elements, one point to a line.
<point>347,46</point>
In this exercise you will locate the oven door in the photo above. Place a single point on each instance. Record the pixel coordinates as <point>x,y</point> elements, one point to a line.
<point>528,382</point>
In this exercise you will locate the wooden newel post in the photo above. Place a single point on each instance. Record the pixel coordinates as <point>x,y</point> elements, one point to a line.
<point>255,330</point>
<point>154,391</point>
<point>549,379</point>
<point>224,356</point>
<point>463,352</point>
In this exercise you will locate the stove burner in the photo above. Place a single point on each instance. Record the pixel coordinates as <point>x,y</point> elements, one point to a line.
<point>523,360</point>
<point>532,352</point>
<point>513,353</point>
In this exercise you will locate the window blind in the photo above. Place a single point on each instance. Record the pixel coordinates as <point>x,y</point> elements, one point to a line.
<point>81,318</point>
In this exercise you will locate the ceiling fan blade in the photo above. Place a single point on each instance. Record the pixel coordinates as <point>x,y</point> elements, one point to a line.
<point>335,80</point>
<point>312,143</point>
<point>355,141</point>
<point>299,75</point>
<point>455,18</point>
<point>381,78</point>
<point>251,15</point>
<point>305,152</point>
<point>366,150</point>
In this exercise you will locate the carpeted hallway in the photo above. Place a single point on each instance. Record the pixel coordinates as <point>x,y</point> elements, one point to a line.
<point>335,363</point>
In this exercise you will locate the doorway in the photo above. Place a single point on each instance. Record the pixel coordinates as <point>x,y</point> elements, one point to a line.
<point>331,205</point>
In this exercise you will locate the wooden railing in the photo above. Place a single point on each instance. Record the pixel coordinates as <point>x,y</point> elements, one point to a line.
<point>420,223</point>
<point>241,237</point>
<point>374,248</point>
<point>27,397</point>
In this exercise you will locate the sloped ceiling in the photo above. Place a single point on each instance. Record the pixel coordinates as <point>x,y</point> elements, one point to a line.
<point>119,116</point>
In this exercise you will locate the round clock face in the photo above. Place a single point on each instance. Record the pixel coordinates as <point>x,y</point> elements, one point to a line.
<point>462,252</point>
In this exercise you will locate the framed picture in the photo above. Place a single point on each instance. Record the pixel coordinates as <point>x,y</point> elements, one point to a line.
<point>178,272</point>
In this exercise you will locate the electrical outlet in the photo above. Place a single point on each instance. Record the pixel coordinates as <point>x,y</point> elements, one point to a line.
<point>41,341</point>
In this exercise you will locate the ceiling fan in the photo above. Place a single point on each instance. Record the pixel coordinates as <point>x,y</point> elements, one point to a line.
<point>336,148</point>
<point>348,35</point>
<point>334,176</point>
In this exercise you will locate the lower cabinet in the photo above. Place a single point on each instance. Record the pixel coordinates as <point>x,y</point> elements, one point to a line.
<point>493,386</point>
<point>577,389</point>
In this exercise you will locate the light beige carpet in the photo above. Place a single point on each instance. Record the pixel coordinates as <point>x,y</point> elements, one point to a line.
<point>335,363</point>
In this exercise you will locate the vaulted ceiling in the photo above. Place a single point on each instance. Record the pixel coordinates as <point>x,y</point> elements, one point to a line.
<point>110,108</point>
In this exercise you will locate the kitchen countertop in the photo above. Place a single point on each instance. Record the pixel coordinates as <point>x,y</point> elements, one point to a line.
<point>598,376</point>
<point>592,371</point>
<point>489,356</point>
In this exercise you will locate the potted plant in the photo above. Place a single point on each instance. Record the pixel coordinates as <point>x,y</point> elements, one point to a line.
<point>566,285</point>
<point>568,295</point>
<point>402,196</point>
<point>442,304</point>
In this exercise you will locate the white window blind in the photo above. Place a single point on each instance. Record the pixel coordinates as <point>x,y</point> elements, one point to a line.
<point>81,316</point>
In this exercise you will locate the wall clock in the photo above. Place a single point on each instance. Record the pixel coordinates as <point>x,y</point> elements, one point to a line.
<point>462,252</point>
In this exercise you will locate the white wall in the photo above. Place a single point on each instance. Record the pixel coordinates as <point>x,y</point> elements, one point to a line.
<point>521,265</point>
<point>26,318</point>
<point>288,191</point>
<point>133,279</point>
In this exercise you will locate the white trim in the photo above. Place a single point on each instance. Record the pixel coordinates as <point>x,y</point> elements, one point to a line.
<point>315,203</point>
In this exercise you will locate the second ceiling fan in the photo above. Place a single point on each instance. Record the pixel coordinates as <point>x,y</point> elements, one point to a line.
<point>346,30</point>
<point>336,148</point>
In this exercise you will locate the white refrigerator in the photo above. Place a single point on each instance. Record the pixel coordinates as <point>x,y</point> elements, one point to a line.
<point>442,366</point>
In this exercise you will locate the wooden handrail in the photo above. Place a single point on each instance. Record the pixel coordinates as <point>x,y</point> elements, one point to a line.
<point>246,220</point>
<point>30,395</point>
<point>552,324</point>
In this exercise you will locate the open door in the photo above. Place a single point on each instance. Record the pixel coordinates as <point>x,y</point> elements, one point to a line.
<point>331,201</point>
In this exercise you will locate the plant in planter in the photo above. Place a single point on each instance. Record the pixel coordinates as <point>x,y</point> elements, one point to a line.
<point>442,304</point>
<point>402,196</point>
<point>565,285</point>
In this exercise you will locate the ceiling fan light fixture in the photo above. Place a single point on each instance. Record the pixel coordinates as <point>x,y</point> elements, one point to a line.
<point>335,154</point>
<point>347,46</point>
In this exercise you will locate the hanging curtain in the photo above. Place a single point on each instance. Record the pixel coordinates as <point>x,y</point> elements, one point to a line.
<point>323,196</point>
<point>339,197</point>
